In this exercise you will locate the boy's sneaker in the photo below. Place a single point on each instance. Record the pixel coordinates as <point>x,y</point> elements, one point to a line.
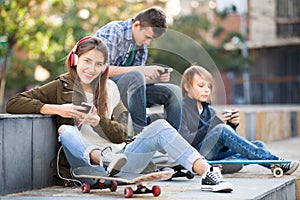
<point>290,168</point>
<point>112,162</point>
<point>213,181</point>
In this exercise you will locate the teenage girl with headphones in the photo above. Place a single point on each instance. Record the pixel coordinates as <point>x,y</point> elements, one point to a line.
<point>86,75</point>
<point>94,142</point>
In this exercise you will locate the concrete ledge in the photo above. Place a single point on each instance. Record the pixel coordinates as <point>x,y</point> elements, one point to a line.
<point>261,122</point>
<point>181,188</point>
<point>252,182</point>
<point>27,143</point>
<point>268,122</point>
<point>298,188</point>
<point>27,147</point>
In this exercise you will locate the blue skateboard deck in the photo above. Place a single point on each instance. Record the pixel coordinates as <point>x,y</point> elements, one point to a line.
<point>248,162</point>
<point>275,165</point>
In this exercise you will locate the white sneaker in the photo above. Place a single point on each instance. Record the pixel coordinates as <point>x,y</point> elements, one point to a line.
<point>290,168</point>
<point>213,181</point>
<point>112,162</point>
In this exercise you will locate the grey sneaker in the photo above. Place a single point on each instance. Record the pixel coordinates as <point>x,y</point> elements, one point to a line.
<point>214,181</point>
<point>230,168</point>
<point>290,168</point>
<point>151,167</point>
<point>112,162</point>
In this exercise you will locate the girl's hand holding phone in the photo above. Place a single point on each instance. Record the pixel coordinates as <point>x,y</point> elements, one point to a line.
<point>89,115</point>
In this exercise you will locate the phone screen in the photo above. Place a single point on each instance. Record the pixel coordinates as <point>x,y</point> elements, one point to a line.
<point>87,106</point>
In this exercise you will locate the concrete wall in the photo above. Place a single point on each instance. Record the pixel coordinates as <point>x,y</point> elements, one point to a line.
<point>27,142</point>
<point>262,20</point>
<point>27,147</point>
<point>269,123</point>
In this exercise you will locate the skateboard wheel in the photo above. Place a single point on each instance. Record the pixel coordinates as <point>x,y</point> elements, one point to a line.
<point>277,172</point>
<point>156,190</point>
<point>189,175</point>
<point>128,192</point>
<point>101,185</point>
<point>85,188</point>
<point>113,186</point>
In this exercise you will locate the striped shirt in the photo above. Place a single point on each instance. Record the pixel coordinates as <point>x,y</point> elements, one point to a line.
<point>117,35</point>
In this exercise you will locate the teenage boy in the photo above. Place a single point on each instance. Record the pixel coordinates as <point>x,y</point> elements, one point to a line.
<point>140,86</point>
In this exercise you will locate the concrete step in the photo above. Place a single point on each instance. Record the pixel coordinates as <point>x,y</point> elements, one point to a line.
<point>252,182</point>
<point>181,188</point>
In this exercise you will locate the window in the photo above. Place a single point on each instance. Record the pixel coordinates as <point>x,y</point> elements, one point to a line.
<point>288,18</point>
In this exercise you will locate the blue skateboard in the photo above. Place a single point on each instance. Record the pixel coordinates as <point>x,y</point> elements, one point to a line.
<point>275,165</point>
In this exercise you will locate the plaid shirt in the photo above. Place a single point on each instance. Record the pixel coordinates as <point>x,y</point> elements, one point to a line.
<point>117,35</point>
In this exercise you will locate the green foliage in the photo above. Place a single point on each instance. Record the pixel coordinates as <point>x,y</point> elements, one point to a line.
<point>196,50</point>
<point>20,74</point>
<point>45,31</point>
<point>218,30</point>
<point>169,59</point>
<point>225,12</point>
<point>229,37</point>
<point>192,25</point>
<point>3,46</point>
<point>225,60</point>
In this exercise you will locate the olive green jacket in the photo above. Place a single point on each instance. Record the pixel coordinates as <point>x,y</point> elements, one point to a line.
<point>62,91</point>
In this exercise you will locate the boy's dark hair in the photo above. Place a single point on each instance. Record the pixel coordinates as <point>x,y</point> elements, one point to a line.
<point>155,18</point>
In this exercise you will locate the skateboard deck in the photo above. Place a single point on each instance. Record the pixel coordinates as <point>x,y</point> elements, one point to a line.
<point>105,181</point>
<point>275,165</point>
<point>179,170</point>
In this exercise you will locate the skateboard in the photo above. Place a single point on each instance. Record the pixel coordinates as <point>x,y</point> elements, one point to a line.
<point>103,181</point>
<point>275,165</point>
<point>179,170</point>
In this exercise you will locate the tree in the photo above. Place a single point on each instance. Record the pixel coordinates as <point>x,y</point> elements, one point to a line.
<point>44,32</point>
<point>27,26</point>
<point>198,28</point>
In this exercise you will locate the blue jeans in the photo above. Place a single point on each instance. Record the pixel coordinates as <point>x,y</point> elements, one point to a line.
<point>159,135</point>
<point>222,142</point>
<point>136,96</point>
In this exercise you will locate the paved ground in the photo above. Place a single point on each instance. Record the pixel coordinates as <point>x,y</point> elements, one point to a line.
<point>250,183</point>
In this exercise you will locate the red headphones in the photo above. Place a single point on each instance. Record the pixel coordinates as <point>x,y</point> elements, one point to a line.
<point>104,70</point>
<point>74,57</point>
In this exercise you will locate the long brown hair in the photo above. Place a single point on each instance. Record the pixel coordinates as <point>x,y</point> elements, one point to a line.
<point>99,84</point>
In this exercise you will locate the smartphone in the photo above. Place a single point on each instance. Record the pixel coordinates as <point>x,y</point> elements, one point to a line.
<point>166,70</point>
<point>87,106</point>
<point>87,110</point>
<point>229,112</point>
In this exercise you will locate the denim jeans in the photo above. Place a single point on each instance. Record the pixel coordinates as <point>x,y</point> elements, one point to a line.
<point>136,96</point>
<point>222,142</point>
<point>159,135</point>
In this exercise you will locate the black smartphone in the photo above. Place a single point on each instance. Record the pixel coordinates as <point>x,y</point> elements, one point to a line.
<point>166,70</point>
<point>87,106</point>
<point>229,112</point>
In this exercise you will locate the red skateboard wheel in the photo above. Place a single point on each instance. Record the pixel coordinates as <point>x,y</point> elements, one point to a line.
<point>85,188</point>
<point>156,190</point>
<point>128,192</point>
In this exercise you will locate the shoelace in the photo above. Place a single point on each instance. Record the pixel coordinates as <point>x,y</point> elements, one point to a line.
<point>285,166</point>
<point>220,177</point>
<point>214,177</point>
<point>106,155</point>
<point>218,174</point>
